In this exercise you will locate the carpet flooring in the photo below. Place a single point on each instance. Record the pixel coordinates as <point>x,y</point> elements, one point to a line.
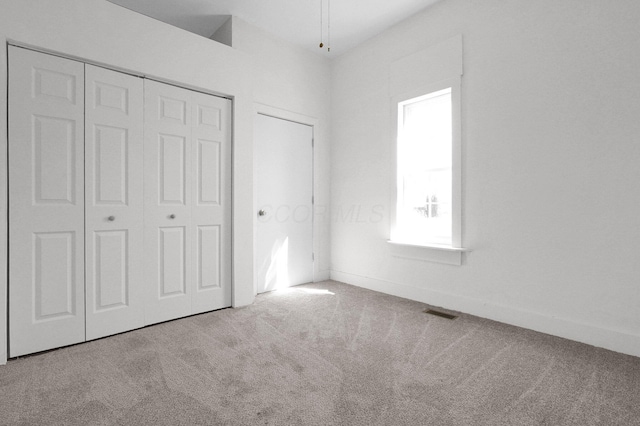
<point>324,354</point>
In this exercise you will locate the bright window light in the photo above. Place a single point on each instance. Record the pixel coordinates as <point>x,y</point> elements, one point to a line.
<point>424,211</point>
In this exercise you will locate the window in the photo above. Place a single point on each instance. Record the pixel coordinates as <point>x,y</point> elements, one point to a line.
<point>428,197</point>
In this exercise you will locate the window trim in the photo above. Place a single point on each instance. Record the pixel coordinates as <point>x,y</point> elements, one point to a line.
<point>456,200</point>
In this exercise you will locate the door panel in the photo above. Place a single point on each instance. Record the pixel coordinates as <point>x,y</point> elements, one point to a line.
<point>111,270</point>
<point>114,208</point>
<point>46,202</point>
<point>54,267</point>
<point>209,253</point>
<point>54,144</point>
<point>209,170</point>
<point>111,168</point>
<point>172,110</point>
<point>167,202</point>
<point>211,219</point>
<point>172,165</point>
<point>172,249</point>
<point>284,186</point>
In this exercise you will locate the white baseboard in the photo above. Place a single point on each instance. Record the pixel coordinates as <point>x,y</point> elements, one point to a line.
<point>601,337</point>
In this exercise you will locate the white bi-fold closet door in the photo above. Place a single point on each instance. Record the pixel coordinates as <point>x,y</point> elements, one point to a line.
<point>93,251</point>
<point>187,202</point>
<point>113,187</point>
<point>46,202</point>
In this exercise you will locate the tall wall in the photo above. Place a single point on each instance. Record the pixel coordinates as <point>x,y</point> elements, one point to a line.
<point>551,148</point>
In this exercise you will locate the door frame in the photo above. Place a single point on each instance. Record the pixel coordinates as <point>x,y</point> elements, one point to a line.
<point>313,122</point>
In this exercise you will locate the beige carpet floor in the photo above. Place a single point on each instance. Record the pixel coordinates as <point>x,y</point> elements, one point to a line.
<point>324,354</point>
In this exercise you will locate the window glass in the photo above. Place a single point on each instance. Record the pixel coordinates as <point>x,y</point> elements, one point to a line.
<point>424,205</point>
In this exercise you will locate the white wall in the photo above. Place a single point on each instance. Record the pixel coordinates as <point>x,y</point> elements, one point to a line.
<point>293,80</point>
<point>100,32</point>
<point>551,154</point>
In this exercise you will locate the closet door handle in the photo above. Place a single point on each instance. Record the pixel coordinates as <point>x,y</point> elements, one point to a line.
<point>111,218</point>
<point>172,216</point>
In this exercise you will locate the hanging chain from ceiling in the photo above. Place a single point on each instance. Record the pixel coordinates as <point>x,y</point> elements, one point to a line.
<point>328,25</point>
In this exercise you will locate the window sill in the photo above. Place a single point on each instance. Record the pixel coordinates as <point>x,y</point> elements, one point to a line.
<point>429,253</point>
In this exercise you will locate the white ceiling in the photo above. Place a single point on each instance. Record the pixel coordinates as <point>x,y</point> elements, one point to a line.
<point>297,21</point>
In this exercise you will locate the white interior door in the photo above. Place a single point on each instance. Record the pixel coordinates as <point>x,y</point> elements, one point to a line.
<point>46,202</point>
<point>167,202</point>
<point>284,185</point>
<point>211,210</point>
<point>114,208</point>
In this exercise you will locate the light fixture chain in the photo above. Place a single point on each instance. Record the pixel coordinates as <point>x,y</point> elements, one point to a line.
<point>321,26</point>
<point>328,25</point>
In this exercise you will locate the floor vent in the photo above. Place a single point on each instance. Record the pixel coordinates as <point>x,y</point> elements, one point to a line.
<point>440,314</point>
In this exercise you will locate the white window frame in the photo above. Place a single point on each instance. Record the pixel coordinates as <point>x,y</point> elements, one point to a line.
<point>425,251</point>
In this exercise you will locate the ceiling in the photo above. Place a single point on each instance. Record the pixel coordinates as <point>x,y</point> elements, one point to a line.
<point>296,21</point>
